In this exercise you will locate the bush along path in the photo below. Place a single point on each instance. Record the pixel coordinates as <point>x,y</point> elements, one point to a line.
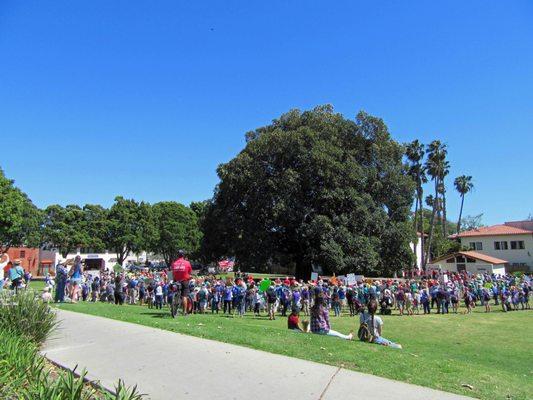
<point>25,323</point>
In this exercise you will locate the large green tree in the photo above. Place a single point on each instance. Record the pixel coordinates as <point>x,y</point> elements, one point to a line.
<point>65,228</point>
<point>96,225</point>
<point>176,228</point>
<point>20,220</point>
<point>130,227</point>
<point>314,188</point>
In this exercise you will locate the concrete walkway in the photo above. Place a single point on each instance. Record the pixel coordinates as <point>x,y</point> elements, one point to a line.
<point>153,359</point>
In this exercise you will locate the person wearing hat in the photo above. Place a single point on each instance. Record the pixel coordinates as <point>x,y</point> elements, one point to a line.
<point>16,273</point>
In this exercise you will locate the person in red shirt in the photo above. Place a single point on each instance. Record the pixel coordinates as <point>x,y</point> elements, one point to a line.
<point>181,272</point>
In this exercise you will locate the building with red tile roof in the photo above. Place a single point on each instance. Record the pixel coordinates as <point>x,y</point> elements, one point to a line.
<point>511,241</point>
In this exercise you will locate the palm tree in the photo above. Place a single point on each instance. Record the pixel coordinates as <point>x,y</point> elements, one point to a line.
<point>445,170</point>
<point>463,184</point>
<point>437,168</point>
<point>415,152</point>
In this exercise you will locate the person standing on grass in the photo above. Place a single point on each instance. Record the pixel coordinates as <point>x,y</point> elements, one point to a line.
<point>142,292</point>
<point>320,319</point>
<point>61,282</point>
<point>75,273</point>
<point>468,298</point>
<point>159,296</point>
<point>181,272</point>
<point>228,299</point>
<point>271,299</point>
<point>305,295</point>
<point>119,289</point>
<point>400,299</point>
<point>335,302</point>
<point>485,298</point>
<point>16,275</point>
<point>257,302</point>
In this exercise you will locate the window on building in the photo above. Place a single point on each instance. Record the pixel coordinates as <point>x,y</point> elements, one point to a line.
<point>450,261</point>
<point>476,246</point>
<point>501,246</point>
<point>460,259</point>
<point>517,245</point>
<point>470,260</point>
<point>22,254</point>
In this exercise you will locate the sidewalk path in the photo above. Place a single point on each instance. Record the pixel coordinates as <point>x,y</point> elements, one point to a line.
<point>154,359</point>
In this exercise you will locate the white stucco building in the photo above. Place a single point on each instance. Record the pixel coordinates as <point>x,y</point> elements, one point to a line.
<point>417,249</point>
<point>512,242</point>
<point>469,261</point>
<point>96,261</point>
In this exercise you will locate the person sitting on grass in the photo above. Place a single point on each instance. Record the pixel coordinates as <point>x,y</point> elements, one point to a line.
<point>371,327</point>
<point>320,319</point>
<point>293,322</point>
<point>46,296</point>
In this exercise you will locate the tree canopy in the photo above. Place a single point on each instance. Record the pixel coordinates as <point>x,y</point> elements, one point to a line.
<point>314,188</point>
<point>65,228</point>
<point>20,220</point>
<point>130,227</point>
<point>175,228</point>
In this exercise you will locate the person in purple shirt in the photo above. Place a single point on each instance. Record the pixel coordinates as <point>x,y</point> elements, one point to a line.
<point>320,319</point>
<point>305,300</point>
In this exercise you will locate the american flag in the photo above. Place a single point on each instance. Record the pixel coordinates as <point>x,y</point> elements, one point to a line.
<point>226,265</point>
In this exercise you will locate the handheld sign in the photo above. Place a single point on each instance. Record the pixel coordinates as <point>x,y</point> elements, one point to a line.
<point>314,276</point>
<point>265,284</point>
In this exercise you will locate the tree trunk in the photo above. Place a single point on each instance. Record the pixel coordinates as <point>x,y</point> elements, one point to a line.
<point>121,256</point>
<point>444,220</point>
<point>460,213</point>
<point>432,222</point>
<point>421,230</point>
<point>416,228</point>
<point>303,271</point>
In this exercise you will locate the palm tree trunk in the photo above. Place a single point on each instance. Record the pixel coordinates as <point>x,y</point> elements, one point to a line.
<point>432,221</point>
<point>444,220</point>
<point>421,230</point>
<point>416,228</point>
<point>460,213</point>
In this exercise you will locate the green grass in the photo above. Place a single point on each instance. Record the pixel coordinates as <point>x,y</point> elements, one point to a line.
<point>37,285</point>
<point>491,352</point>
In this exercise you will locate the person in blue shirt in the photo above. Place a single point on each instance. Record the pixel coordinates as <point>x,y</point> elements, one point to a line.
<point>16,274</point>
<point>228,299</point>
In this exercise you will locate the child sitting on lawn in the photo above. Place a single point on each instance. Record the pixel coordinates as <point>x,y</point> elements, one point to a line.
<point>293,322</point>
<point>320,319</point>
<point>46,296</point>
<point>371,327</point>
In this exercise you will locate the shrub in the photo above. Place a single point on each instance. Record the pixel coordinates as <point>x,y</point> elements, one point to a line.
<point>25,375</point>
<point>26,315</point>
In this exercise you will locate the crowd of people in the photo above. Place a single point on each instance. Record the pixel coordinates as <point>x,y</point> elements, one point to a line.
<point>439,292</point>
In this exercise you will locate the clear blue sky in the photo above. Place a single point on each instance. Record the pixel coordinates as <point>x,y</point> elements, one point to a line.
<point>145,98</point>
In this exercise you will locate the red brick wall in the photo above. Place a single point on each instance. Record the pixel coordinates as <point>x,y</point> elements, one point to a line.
<point>29,258</point>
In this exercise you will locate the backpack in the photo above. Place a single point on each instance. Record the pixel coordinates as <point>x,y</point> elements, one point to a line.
<point>364,333</point>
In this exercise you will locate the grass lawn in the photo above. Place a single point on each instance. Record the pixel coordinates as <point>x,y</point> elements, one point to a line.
<point>491,352</point>
<point>37,285</point>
